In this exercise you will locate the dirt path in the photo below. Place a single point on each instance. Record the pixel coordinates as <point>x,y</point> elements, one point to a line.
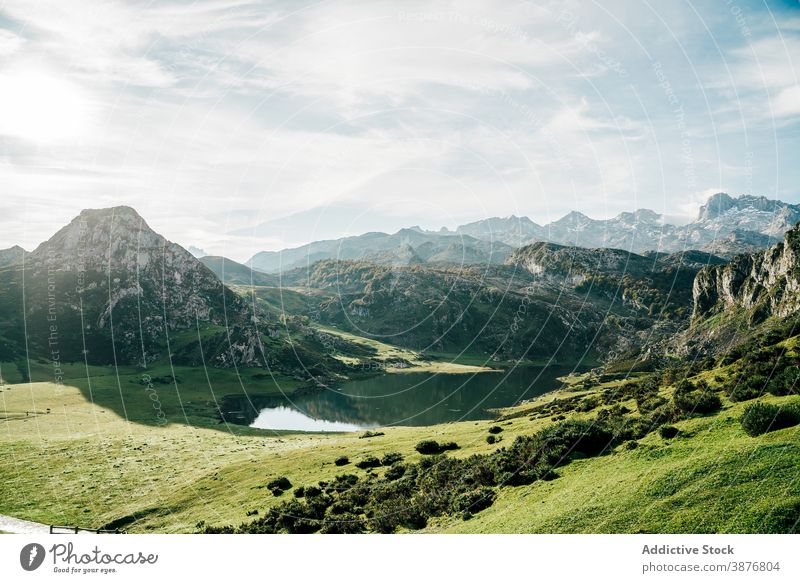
<point>13,525</point>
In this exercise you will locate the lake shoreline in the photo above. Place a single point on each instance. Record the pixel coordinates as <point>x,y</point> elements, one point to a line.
<point>412,398</point>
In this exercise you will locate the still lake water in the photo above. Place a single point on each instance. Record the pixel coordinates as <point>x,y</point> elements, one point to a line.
<point>410,399</point>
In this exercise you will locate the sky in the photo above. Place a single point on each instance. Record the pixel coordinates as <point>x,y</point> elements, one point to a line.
<point>238,126</point>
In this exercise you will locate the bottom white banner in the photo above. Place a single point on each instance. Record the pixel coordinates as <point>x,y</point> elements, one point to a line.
<point>479,558</point>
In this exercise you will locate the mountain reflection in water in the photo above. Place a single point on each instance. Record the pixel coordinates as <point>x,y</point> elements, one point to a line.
<point>410,399</point>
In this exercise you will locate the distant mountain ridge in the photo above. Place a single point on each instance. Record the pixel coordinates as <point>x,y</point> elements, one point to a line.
<point>406,247</point>
<point>725,226</point>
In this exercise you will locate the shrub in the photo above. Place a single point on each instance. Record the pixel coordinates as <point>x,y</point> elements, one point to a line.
<point>395,472</point>
<point>490,439</point>
<point>299,492</point>
<point>785,383</point>
<point>391,458</point>
<point>474,500</point>
<point>699,402</point>
<point>341,483</point>
<point>368,462</point>
<point>342,461</point>
<point>532,458</point>
<point>495,429</point>
<point>368,434</point>
<point>668,431</point>
<point>392,511</point>
<point>427,447</point>
<point>761,418</point>
<point>279,485</point>
<point>431,447</point>
<point>749,388</point>
<point>312,491</point>
<point>587,404</point>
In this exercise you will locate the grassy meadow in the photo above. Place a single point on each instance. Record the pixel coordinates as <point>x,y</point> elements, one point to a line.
<point>83,463</point>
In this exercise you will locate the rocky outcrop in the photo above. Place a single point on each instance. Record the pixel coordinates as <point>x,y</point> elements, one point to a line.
<point>550,259</point>
<point>765,284</point>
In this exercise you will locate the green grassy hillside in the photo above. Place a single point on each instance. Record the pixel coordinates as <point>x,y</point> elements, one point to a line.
<point>83,463</point>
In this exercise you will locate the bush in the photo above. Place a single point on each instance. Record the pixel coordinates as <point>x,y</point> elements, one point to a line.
<point>699,402</point>
<point>342,461</point>
<point>490,439</point>
<point>587,404</point>
<point>534,457</point>
<point>312,491</point>
<point>668,431</point>
<point>341,483</point>
<point>495,429</point>
<point>760,418</point>
<point>368,462</point>
<point>395,472</point>
<point>299,492</point>
<point>785,383</point>
<point>474,500</point>
<point>431,447</point>
<point>427,447</point>
<point>368,434</point>
<point>391,458</point>
<point>279,485</point>
<point>750,388</point>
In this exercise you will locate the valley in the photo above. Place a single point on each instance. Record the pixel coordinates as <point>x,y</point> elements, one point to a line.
<point>535,387</point>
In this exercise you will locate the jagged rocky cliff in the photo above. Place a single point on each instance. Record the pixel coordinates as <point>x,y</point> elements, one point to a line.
<point>762,284</point>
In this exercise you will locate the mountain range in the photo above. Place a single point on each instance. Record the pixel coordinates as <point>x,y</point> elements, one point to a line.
<point>724,226</point>
<point>107,289</point>
<point>406,247</point>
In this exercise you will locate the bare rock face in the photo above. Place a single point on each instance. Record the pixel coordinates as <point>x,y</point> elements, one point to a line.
<point>767,283</point>
<point>107,280</point>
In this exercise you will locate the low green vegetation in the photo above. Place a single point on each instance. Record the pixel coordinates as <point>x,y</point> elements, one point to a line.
<point>667,451</point>
<point>602,428</point>
<point>763,417</point>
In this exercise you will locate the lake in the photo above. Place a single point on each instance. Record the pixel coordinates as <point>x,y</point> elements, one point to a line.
<point>406,399</point>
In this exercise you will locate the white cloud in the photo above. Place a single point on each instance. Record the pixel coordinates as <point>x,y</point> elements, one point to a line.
<point>787,102</point>
<point>10,43</point>
<point>214,115</point>
<point>348,52</point>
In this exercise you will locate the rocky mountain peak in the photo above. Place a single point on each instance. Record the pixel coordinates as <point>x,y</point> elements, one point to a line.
<point>11,256</point>
<point>115,239</point>
<point>716,205</point>
<point>110,270</point>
